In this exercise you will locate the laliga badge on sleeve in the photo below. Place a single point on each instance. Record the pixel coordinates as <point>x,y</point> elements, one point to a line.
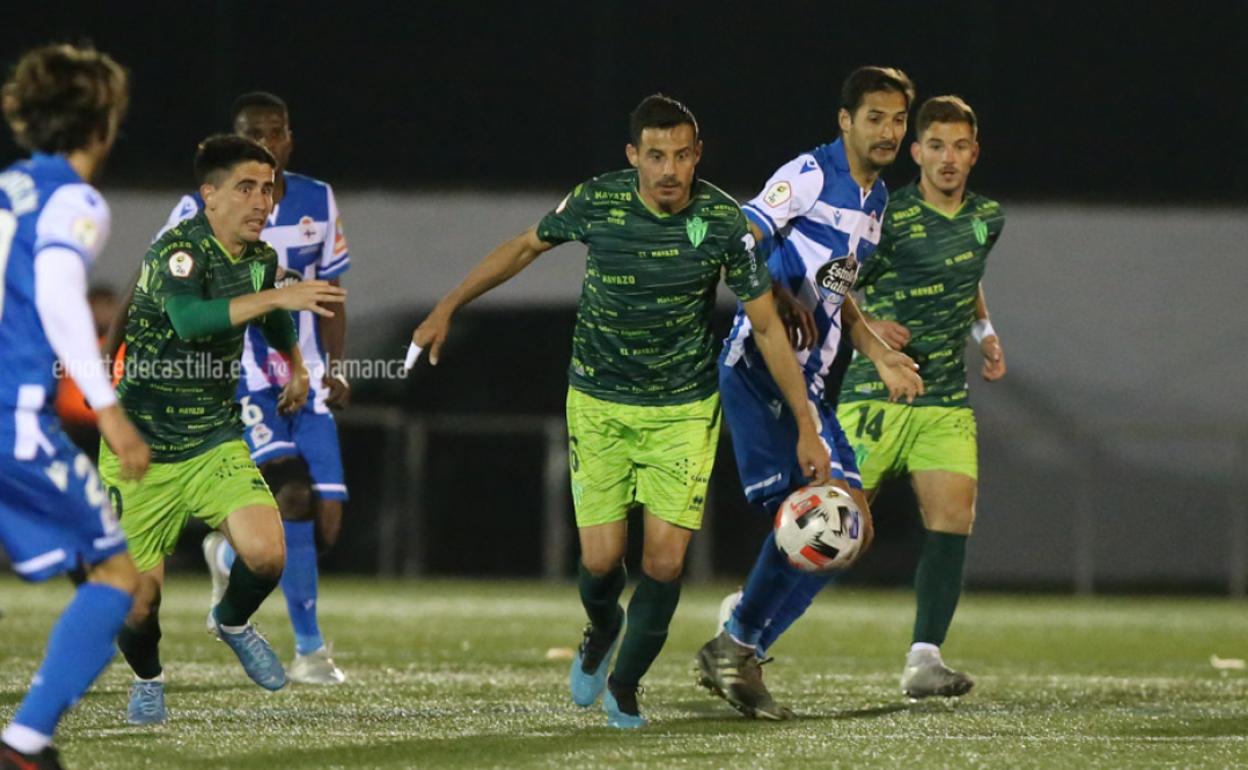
<point>181,264</point>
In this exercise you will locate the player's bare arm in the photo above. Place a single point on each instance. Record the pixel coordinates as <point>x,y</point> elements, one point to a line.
<point>897,370</point>
<point>499,266</point>
<point>295,394</point>
<point>990,344</point>
<point>773,342</point>
<point>304,295</point>
<point>895,335</point>
<point>334,335</point>
<point>132,452</point>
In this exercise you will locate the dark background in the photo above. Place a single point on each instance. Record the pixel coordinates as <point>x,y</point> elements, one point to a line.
<point>1097,102</point>
<point>1078,100</point>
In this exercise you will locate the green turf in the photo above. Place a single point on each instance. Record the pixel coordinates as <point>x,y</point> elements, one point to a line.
<point>446,674</point>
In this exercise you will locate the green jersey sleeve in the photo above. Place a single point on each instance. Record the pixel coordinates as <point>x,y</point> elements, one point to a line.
<point>569,221</point>
<point>744,272</point>
<point>176,268</point>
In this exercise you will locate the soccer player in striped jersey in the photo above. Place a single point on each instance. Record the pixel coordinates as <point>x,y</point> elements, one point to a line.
<point>923,291</point>
<point>820,215</point>
<point>298,453</point>
<point>63,104</point>
<point>643,412</point>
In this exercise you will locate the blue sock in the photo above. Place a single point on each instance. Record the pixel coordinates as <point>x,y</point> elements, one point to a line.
<point>79,647</point>
<point>770,583</point>
<point>299,584</point>
<point>794,605</point>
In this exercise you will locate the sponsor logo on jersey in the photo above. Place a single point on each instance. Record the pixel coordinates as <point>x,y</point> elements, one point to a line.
<point>980,228</point>
<point>257,275</point>
<point>777,194</point>
<point>284,278</point>
<point>181,264</point>
<point>836,277</point>
<point>696,230</point>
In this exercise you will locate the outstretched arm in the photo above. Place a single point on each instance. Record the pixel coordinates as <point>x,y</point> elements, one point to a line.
<point>499,266</point>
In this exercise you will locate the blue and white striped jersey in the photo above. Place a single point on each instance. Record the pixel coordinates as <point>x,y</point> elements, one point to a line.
<point>43,203</point>
<point>822,226</point>
<point>306,231</point>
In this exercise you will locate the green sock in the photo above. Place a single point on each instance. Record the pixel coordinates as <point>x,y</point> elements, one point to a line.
<point>243,597</point>
<point>601,595</point>
<point>649,614</point>
<point>141,647</point>
<point>938,584</point>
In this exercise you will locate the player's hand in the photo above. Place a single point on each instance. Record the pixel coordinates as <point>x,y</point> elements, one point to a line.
<point>123,438</point>
<point>797,319</point>
<point>432,333</point>
<point>295,394</point>
<point>894,334</point>
<point>994,358</point>
<point>310,295</point>
<point>339,396</point>
<point>900,375</point>
<point>812,453</point>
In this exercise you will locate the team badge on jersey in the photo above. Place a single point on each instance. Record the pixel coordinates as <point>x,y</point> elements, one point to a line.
<point>181,264</point>
<point>980,227</point>
<point>836,277</point>
<point>307,228</point>
<point>257,275</point>
<point>696,230</point>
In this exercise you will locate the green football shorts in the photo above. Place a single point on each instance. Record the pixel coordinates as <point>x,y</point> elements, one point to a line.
<point>659,456</point>
<point>896,439</point>
<point>209,486</point>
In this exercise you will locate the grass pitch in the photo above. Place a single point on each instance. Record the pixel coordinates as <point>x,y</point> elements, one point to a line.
<point>456,675</point>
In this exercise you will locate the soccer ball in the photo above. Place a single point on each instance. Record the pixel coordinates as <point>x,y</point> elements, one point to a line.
<point>819,529</point>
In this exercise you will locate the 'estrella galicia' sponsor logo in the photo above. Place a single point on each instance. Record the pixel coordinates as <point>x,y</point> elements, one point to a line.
<point>836,277</point>
<point>286,278</point>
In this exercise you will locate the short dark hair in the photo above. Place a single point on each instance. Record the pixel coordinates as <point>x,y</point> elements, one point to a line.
<point>257,99</point>
<point>945,109</point>
<point>222,152</point>
<point>659,111</point>
<point>870,79</point>
<point>58,98</point>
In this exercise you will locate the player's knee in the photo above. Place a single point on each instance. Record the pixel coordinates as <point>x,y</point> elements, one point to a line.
<point>267,562</point>
<point>953,521</point>
<point>291,485</point>
<point>116,572</point>
<point>601,564</point>
<point>146,606</point>
<point>663,567</point>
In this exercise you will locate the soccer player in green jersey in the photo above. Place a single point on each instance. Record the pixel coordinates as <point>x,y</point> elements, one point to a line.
<point>201,283</point>
<point>923,295</point>
<point>642,407</point>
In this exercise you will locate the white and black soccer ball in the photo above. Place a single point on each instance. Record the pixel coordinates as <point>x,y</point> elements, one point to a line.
<point>819,529</point>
